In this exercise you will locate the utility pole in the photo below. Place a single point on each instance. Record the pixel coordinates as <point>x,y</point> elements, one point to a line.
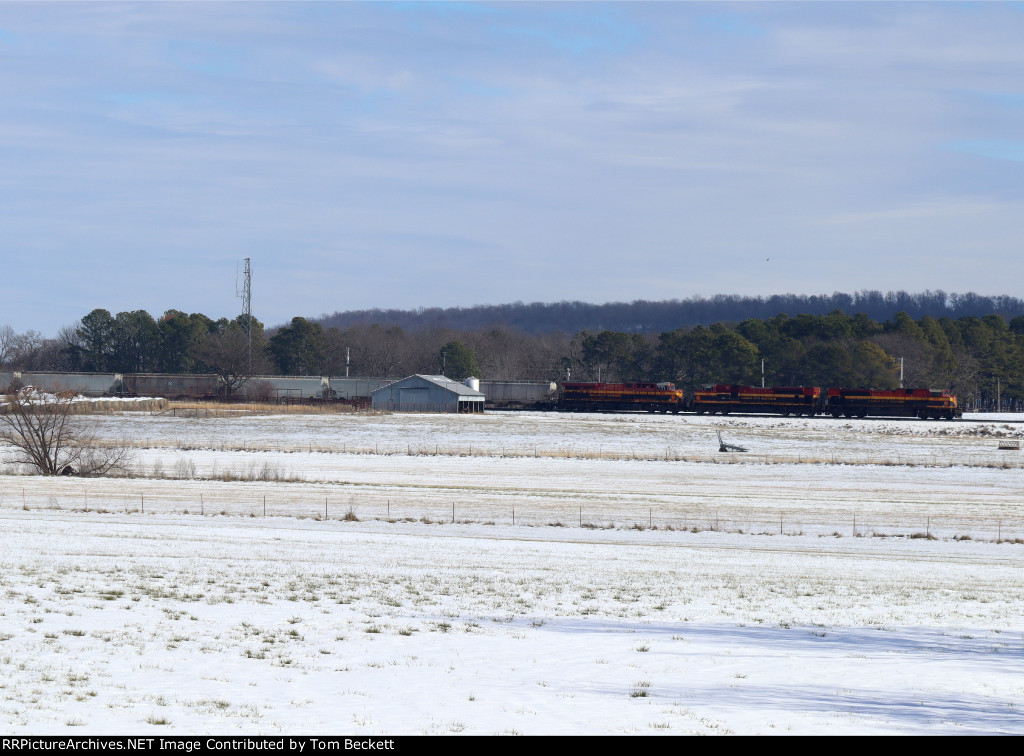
<point>346,361</point>
<point>901,372</point>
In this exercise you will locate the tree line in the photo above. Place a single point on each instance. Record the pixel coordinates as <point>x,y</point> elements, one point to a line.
<point>977,357</point>
<point>643,316</point>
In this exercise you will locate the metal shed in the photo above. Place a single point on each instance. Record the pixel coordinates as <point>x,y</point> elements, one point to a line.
<point>427,393</point>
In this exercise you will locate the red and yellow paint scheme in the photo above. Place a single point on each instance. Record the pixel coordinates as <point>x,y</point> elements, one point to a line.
<point>618,397</point>
<point>781,400</point>
<point>923,403</point>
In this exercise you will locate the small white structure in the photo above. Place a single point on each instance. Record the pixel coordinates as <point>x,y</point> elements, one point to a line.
<point>427,393</point>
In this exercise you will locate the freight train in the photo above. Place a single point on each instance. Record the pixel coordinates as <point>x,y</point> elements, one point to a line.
<point>784,400</point>
<point>618,397</point>
<point>779,400</point>
<point>922,403</point>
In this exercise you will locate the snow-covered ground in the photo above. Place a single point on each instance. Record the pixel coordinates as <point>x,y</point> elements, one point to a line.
<point>800,475</point>
<point>114,621</point>
<point>612,436</point>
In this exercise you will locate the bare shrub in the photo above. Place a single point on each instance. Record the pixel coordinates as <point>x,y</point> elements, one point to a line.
<point>47,435</point>
<point>260,391</point>
<point>185,469</point>
<point>267,473</point>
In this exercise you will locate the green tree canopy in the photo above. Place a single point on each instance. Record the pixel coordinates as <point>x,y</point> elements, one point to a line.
<point>458,361</point>
<point>96,335</point>
<point>298,348</point>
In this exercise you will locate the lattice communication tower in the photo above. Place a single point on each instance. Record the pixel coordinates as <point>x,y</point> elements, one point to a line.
<point>245,293</point>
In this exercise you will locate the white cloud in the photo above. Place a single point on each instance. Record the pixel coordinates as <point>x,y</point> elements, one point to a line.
<point>168,139</point>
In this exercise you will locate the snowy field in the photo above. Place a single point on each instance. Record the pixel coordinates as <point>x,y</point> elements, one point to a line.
<point>704,592</point>
<point>815,476</point>
<point>609,436</point>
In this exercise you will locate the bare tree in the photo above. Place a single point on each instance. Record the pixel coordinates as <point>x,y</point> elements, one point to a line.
<point>379,351</point>
<point>7,338</point>
<point>227,353</point>
<point>47,435</point>
<point>503,354</point>
<point>921,367</point>
<point>23,351</point>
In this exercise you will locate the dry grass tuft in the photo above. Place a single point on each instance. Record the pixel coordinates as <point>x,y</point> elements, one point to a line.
<point>229,409</point>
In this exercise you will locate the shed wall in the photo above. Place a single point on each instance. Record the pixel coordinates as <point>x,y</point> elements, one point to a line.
<point>414,394</point>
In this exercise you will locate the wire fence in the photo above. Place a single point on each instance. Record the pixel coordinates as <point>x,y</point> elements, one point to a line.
<point>937,525</point>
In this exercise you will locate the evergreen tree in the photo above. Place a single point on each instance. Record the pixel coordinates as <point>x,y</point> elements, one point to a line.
<point>96,335</point>
<point>458,361</point>
<point>298,348</point>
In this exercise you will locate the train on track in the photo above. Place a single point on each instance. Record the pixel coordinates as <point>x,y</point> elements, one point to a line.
<point>723,399</point>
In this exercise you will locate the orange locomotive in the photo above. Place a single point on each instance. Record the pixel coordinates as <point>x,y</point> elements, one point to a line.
<point>780,400</point>
<point>618,397</point>
<point>922,403</point>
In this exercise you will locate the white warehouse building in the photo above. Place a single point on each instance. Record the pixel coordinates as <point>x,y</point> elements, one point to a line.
<point>427,393</point>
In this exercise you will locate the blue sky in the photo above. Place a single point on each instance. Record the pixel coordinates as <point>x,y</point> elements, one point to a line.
<point>419,154</point>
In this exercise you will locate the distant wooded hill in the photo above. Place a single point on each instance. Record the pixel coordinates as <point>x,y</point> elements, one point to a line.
<point>656,317</point>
